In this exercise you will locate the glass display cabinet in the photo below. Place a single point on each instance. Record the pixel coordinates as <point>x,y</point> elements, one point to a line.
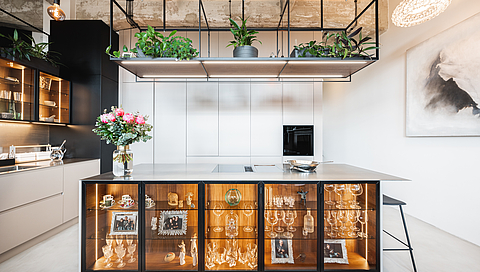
<point>223,226</point>
<point>16,91</point>
<point>54,99</point>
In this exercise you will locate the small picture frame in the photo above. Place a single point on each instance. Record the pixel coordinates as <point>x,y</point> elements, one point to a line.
<point>282,251</point>
<point>172,223</point>
<point>334,251</point>
<point>124,223</point>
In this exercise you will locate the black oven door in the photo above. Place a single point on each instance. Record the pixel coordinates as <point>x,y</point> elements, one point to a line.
<point>298,140</point>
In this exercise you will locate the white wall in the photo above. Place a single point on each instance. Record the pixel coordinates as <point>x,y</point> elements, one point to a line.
<point>365,126</point>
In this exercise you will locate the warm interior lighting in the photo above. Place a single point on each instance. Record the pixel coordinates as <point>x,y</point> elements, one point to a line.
<point>413,12</point>
<point>96,221</point>
<point>245,62</point>
<point>23,91</point>
<point>48,124</point>
<point>159,61</point>
<point>56,12</point>
<point>14,121</point>
<point>307,76</point>
<point>175,76</point>
<point>326,62</point>
<point>59,101</point>
<point>245,76</point>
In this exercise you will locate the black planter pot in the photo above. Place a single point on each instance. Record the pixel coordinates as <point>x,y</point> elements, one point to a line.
<point>299,53</point>
<point>246,51</point>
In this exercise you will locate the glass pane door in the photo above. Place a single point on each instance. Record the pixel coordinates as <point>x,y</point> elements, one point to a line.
<point>54,104</point>
<point>290,227</point>
<point>231,212</point>
<point>171,227</point>
<point>111,220</point>
<point>350,221</point>
<point>16,91</point>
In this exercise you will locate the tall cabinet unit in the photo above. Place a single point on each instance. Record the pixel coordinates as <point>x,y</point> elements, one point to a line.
<point>230,226</point>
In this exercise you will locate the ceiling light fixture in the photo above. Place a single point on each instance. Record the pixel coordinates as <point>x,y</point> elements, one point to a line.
<point>413,12</point>
<point>56,12</point>
<point>160,61</point>
<point>244,62</point>
<point>326,62</point>
<point>243,76</point>
<point>174,76</point>
<point>309,76</point>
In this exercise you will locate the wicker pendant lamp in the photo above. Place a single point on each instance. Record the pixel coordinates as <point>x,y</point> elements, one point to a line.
<point>413,12</point>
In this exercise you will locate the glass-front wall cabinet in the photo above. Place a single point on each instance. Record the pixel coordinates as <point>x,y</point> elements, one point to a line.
<point>16,91</point>
<point>54,99</point>
<point>350,226</point>
<point>231,227</point>
<point>171,227</point>
<point>111,227</point>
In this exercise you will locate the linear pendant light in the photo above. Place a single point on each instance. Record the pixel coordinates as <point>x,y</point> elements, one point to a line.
<point>413,12</point>
<point>56,12</point>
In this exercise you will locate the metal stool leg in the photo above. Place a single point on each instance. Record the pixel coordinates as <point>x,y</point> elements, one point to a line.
<point>408,239</point>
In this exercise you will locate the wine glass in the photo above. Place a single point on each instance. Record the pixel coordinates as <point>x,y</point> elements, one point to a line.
<point>267,228</point>
<point>279,214</point>
<point>356,190</point>
<point>107,253</point>
<point>352,217</point>
<point>341,189</point>
<point>120,250</point>
<point>109,240</point>
<point>248,211</point>
<point>218,211</point>
<point>329,188</point>
<point>363,219</point>
<point>342,216</point>
<point>272,220</point>
<point>131,248</point>
<point>331,220</point>
<point>288,219</point>
<point>119,240</point>
<point>291,228</point>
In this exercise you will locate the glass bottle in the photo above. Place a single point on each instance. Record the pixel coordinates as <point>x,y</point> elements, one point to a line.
<point>122,161</point>
<point>231,225</point>
<point>308,222</point>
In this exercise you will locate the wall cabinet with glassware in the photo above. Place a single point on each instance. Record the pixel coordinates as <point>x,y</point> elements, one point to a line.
<point>25,90</point>
<point>222,226</point>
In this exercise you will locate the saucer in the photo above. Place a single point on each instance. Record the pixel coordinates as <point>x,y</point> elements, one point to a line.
<point>102,205</point>
<point>151,206</point>
<point>125,207</point>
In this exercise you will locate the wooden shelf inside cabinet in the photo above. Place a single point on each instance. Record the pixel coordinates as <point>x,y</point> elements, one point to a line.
<point>100,263</point>
<point>153,234</point>
<point>155,262</point>
<point>349,238</point>
<point>309,264</point>
<point>163,205</point>
<point>48,106</point>
<point>101,235</point>
<point>349,209</point>
<point>115,207</point>
<point>14,101</point>
<point>297,235</point>
<point>226,267</point>
<point>355,262</point>
<point>221,235</point>
<point>241,206</point>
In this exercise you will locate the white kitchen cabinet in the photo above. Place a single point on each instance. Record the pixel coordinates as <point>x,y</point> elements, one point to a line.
<point>71,175</point>
<point>170,122</point>
<point>139,97</point>
<point>234,119</point>
<point>219,160</point>
<point>297,103</point>
<point>266,119</point>
<point>202,119</point>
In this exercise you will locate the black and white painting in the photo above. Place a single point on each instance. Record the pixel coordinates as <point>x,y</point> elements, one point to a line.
<point>172,222</point>
<point>282,251</point>
<point>335,251</point>
<point>443,85</point>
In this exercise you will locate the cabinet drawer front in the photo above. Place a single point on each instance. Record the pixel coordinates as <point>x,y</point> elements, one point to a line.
<point>26,222</point>
<point>21,188</point>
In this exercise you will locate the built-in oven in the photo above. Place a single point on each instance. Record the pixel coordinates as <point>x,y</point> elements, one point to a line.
<point>297,140</point>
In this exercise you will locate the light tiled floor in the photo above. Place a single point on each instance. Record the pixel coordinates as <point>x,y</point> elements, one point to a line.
<point>435,250</point>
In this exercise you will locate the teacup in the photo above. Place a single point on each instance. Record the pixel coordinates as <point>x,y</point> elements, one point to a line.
<point>108,200</point>
<point>126,197</point>
<point>149,202</point>
<point>127,203</point>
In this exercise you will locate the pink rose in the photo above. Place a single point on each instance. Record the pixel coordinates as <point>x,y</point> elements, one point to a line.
<point>140,120</point>
<point>111,117</point>
<point>119,112</point>
<point>128,117</point>
<point>104,118</point>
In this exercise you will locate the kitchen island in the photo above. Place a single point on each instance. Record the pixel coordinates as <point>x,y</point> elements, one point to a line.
<point>202,217</point>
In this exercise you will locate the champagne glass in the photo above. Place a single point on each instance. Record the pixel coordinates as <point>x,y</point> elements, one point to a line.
<point>267,228</point>
<point>248,211</point>
<point>341,189</point>
<point>131,248</point>
<point>291,228</point>
<point>279,214</point>
<point>218,211</point>
<point>331,220</point>
<point>343,218</point>
<point>109,240</point>
<point>288,219</point>
<point>129,239</point>
<point>119,240</point>
<point>107,253</point>
<point>329,188</point>
<point>272,220</point>
<point>363,219</point>
<point>356,190</point>
<point>120,250</point>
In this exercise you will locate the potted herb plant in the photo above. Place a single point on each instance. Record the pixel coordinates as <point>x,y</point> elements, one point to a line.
<point>243,40</point>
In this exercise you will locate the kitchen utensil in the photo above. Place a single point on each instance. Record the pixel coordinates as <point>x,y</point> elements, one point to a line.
<point>58,152</point>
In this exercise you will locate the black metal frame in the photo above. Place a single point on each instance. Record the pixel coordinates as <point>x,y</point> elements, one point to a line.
<point>201,220</point>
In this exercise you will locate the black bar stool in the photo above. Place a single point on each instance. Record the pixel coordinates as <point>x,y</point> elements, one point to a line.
<point>388,201</point>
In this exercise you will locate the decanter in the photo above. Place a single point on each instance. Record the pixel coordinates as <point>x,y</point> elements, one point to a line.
<point>231,225</point>
<point>308,222</point>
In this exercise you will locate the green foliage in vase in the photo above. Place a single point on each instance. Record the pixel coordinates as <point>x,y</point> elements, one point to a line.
<point>242,36</point>
<point>28,49</point>
<point>339,45</point>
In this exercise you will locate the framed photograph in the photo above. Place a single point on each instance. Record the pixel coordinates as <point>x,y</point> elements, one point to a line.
<point>124,223</point>
<point>282,251</point>
<point>334,251</point>
<point>172,223</point>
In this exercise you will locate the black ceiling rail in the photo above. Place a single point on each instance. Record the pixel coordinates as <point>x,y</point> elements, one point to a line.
<point>25,22</point>
<point>360,15</point>
<point>132,23</point>
<point>208,28</point>
<point>164,15</point>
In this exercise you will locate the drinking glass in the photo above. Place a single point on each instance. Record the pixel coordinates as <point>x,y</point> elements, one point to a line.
<point>329,188</point>
<point>211,255</point>
<point>131,248</point>
<point>119,240</point>
<point>107,253</point>
<point>342,216</point>
<point>356,190</point>
<point>363,219</point>
<point>278,201</point>
<point>267,228</point>
<point>252,254</point>
<point>248,211</point>
<point>232,254</point>
<point>279,214</point>
<point>221,255</point>
<point>352,217</point>
<point>341,189</point>
<point>218,211</point>
<point>120,250</point>
<point>109,239</point>
<point>129,239</point>
<point>272,220</point>
<point>290,228</point>
<point>288,219</point>
<point>242,256</point>
<point>331,221</point>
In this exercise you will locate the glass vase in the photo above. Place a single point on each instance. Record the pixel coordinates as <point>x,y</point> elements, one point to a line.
<point>122,161</point>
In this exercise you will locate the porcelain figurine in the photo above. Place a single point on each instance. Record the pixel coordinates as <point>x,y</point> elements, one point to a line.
<point>182,253</point>
<point>172,199</point>
<point>154,223</point>
<point>193,249</point>
<point>188,199</point>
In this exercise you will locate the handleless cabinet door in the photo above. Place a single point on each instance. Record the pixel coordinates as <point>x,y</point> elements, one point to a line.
<point>202,119</point>
<point>298,103</point>
<point>234,119</point>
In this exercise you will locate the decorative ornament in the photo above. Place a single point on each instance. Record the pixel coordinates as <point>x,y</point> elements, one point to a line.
<point>413,12</point>
<point>172,199</point>
<point>182,253</point>
<point>233,197</point>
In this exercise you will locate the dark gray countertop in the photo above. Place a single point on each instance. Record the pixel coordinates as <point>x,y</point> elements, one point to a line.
<point>30,166</point>
<point>203,172</point>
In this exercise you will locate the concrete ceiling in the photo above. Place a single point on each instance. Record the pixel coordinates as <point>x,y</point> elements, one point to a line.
<point>30,11</point>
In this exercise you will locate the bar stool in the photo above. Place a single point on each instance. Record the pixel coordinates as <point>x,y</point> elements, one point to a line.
<point>388,201</point>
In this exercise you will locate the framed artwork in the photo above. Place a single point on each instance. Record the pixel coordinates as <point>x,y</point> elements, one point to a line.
<point>282,251</point>
<point>443,86</point>
<point>334,251</point>
<point>124,223</point>
<point>172,223</point>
